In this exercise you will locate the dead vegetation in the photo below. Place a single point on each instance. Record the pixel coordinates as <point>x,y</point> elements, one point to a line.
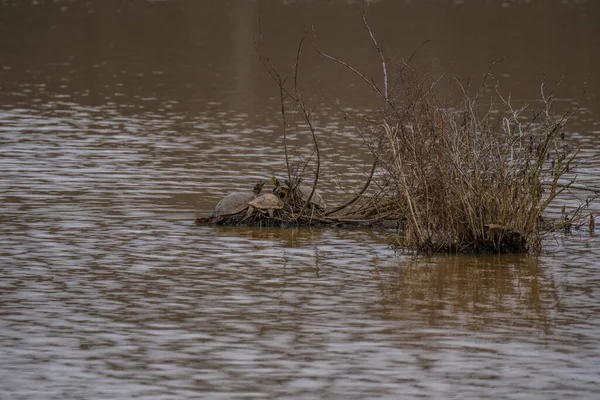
<point>471,176</point>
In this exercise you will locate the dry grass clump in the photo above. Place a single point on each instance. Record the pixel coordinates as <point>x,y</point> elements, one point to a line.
<point>471,178</point>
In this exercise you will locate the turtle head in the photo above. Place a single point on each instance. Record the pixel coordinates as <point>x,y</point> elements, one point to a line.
<point>275,181</point>
<point>258,187</point>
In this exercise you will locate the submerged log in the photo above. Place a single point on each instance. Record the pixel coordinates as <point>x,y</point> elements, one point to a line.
<point>496,238</point>
<point>285,219</point>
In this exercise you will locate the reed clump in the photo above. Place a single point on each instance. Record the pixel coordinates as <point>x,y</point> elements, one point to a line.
<point>469,178</point>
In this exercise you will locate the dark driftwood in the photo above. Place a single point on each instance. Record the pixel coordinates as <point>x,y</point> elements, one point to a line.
<point>285,219</point>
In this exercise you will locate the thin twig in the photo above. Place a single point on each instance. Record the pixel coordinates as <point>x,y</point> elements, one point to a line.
<point>378,48</point>
<point>358,195</point>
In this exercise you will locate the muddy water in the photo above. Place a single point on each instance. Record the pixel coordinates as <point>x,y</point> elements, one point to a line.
<point>121,121</point>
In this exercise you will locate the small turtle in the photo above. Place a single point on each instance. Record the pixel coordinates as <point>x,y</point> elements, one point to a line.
<point>235,202</point>
<point>280,190</point>
<point>304,191</point>
<point>268,202</point>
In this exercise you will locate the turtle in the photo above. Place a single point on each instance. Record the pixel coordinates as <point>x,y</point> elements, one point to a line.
<point>304,192</point>
<point>268,202</point>
<point>280,190</point>
<point>235,202</point>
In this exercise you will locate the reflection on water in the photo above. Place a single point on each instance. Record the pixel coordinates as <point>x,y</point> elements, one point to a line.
<point>120,122</point>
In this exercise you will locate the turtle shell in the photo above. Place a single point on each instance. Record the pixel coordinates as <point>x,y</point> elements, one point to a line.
<point>267,202</point>
<point>235,202</point>
<point>316,198</point>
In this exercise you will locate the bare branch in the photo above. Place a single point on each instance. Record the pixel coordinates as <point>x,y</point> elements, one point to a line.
<point>358,195</point>
<point>378,48</point>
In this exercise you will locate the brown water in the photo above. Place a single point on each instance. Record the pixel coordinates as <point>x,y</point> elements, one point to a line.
<point>121,121</point>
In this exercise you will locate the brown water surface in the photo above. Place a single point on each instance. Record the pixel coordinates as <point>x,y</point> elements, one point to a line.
<point>121,121</point>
